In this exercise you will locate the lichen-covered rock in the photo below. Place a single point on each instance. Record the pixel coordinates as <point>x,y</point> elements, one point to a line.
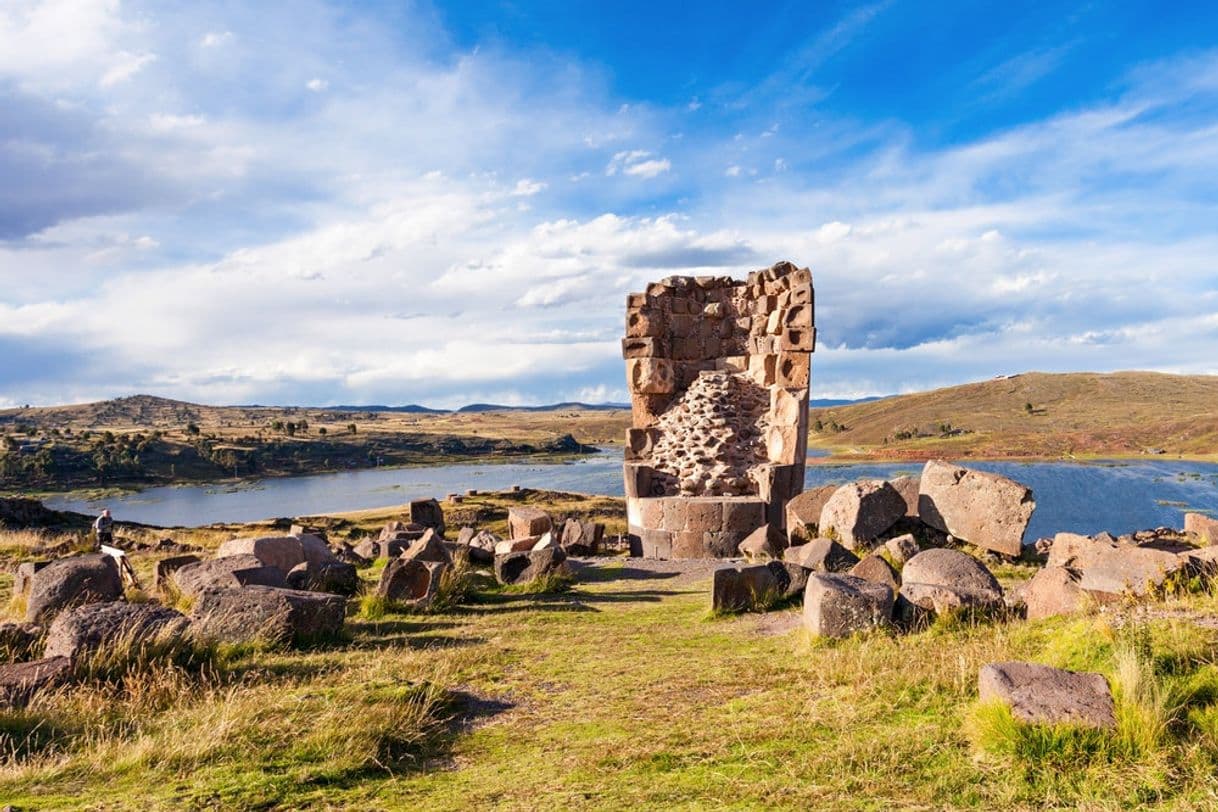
<point>986,510</point>
<point>282,552</point>
<point>229,572</point>
<point>528,565</point>
<point>266,614</point>
<point>902,548</point>
<point>20,681</point>
<point>837,605</point>
<point>71,582</point>
<point>1039,694</point>
<point>94,626</point>
<point>941,580</point>
<point>860,512</point>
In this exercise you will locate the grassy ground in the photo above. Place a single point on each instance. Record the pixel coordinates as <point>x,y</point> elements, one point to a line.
<point>617,693</point>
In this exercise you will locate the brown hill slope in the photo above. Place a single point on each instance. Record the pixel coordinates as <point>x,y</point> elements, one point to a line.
<point>1032,415</point>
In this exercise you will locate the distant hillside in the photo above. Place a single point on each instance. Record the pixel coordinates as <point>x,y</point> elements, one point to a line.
<point>410,408</point>
<point>1032,415</point>
<point>553,407</point>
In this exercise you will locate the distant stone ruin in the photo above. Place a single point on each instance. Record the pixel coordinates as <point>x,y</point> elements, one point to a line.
<point>718,371</point>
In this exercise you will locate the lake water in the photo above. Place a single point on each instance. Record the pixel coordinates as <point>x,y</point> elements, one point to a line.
<point>1119,497</point>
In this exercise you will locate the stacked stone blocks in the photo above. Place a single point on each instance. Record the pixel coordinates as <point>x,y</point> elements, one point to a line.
<point>719,373</point>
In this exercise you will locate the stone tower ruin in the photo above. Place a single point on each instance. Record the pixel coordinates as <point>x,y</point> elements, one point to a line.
<point>718,371</point>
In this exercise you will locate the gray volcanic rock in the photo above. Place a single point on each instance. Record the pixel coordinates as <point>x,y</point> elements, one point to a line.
<point>267,614</point>
<point>99,625</point>
<point>838,605</point>
<point>984,509</point>
<point>860,512</point>
<point>71,582</point>
<point>1042,695</point>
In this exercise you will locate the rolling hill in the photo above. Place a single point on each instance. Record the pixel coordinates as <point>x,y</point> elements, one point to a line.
<point>1032,415</point>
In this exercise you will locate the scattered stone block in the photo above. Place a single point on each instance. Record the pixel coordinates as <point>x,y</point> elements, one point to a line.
<point>909,487</point>
<point>875,569</point>
<point>25,575</point>
<point>413,582</point>
<point>860,512</point>
<point>19,682</point>
<point>94,626</point>
<point>17,640</point>
<point>523,567</point>
<point>281,552</point>
<point>230,572</point>
<point>335,577</point>
<point>427,514</point>
<point>763,544</point>
<point>803,512</point>
<point>1204,528</point>
<point>581,538</point>
<point>267,614</point>
<point>1109,569</point>
<point>983,509</point>
<point>1039,694</point>
<point>741,588</point>
<point>167,566</point>
<point>837,605</point>
<point>428,548</point>
<point>69,582</point>
<point>526,522</point>
<point>821,555</point>
<point>1053,591</point>
<point>942,580</point>
<point>902,548</point>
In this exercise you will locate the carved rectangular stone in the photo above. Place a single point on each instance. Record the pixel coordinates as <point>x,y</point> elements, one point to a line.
<point>743,515</point>
<point>639,443</point>
<point>688,544</point>
<point>733,363</point>
<point>763,369</point>
<point>786,406</point>
<point>681,325</point>
<point>675,513</point>
<point>656,544</point>
<point>782,444</point>
<point>637,479</point>
<point>651,512</point>
<point>795,338</point>
<point>792,370</point>
<point>636,301</point>
<point>686,348</point>
<point>650,376</point>
<point>801,294</point>
<point>642,347</point>
<point>704,514</point>
<point>644,323</point>
<point>646,409</point>
<point>798,316</point>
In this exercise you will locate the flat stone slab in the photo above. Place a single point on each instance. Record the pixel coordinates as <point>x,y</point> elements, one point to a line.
<point>1040,694</point>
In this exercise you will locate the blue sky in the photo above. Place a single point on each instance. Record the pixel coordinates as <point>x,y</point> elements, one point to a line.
<point>316,202</point>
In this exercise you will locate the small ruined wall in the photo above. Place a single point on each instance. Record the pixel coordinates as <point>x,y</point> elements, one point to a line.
<point>718,371</point>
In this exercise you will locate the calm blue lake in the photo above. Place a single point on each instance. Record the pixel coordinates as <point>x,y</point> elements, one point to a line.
<point>1079,497</point>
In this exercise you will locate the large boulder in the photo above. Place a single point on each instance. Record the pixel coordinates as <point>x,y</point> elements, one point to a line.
<point>910,488</point>
<point>24,576</point>
<point>20,681</point>
<point>427,513</point>
<point>1053,591</point>
<point>763,544</point>
<point>267,614</point>
<point>1110,569</point>
<point>71,582</point>
<point>803,513</point>
<point>94,626</point>
<point>743,587</point>
<point>528,565</point>
<point>282,552</point>
<point>482,547</point>
<point>821,555</point>
<point>1204,528</point>
<point>1040,694</point>
<point>837,605</point>
<point>875,569</point>
<point>941,580</point>
<point>412,582</point>
<point>526,522</point>
<point>336,577</point>
<point>860,512</point>
<point>901,549</point>
<point>166,567</point>
<point>581,538</point>
<point>316,550</point>
<point>428,548</point>
<point>986,510</point>
<point>230,572</point>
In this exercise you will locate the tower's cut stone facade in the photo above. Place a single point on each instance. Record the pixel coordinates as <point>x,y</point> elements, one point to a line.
<point>718,371</point>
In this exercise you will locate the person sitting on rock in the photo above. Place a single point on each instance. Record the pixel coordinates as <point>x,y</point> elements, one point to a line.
<point>103,528</point>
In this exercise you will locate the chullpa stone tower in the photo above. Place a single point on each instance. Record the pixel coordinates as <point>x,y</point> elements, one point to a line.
<point>718,371</point>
